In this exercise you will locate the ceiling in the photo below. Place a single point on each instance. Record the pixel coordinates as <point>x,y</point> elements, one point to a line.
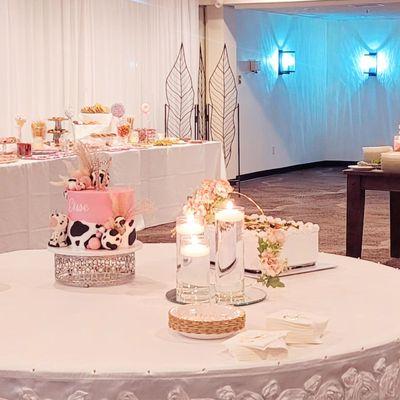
<point>329,9</point>
<point>376,10</point>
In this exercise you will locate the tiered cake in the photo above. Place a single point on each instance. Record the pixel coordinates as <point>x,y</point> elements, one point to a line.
<point>94,243</point>
<point>96,214</point>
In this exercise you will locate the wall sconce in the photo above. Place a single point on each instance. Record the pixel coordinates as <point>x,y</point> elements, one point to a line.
<point>370,64</point>
<point>287,62</point>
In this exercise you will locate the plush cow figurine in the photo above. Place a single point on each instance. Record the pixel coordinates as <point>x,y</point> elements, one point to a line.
<point>127,229</point>
<point>111,239</point>
<point>129,236</point>
<point>59,224</point>
<point>100,179</point>
<point>75,184</point>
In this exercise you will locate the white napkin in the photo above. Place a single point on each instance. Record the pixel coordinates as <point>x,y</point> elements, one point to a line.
<point>302,327</point>
<point>255,345</point>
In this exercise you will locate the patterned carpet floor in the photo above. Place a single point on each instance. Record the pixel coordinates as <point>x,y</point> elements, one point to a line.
<point>317,195</point>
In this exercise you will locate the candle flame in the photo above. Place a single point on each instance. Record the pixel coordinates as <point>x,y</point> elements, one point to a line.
<point>229,205</point>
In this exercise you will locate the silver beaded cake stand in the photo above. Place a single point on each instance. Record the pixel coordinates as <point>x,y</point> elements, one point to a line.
<point>94,268</point>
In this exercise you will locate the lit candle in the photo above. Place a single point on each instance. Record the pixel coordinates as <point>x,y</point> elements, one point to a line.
<point>195,249</point>
<point>229,214</point>
<point>190,227</point>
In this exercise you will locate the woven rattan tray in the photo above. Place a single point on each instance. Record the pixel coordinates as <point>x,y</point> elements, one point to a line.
<point>206,321</point>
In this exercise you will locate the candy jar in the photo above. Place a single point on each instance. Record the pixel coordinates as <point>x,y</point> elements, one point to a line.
<point>38,133</point>
<point>124,130</point>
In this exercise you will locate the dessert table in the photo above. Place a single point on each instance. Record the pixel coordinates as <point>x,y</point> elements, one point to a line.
<point>357,183</point>
<point>59,342</point>
<point>162,176</point>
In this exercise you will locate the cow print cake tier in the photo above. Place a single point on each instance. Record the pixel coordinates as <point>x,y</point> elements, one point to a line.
<point>97,219</point>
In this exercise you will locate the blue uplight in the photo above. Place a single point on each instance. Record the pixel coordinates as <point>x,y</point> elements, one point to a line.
<point>287,62</point>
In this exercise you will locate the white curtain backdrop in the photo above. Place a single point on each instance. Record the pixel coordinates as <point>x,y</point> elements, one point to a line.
<point>59,54</point>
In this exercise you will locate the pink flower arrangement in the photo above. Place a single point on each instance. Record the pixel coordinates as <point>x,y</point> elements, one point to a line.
<point>211,194</point>
<point>270,242</point>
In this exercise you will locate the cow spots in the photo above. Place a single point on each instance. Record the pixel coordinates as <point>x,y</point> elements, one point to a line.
<point>111,239</point>
<point>78,229</point>
<point>88,229</point>
<point>111,246</point>
<point>132,237</point>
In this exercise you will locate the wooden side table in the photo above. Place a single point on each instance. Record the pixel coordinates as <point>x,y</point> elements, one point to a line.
<point>357,183</point>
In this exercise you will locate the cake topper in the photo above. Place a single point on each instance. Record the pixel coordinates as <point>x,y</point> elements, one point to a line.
<point>92,172</point>
<point>100,176</point>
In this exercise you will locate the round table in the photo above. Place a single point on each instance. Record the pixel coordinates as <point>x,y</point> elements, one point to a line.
<point>59,342</point>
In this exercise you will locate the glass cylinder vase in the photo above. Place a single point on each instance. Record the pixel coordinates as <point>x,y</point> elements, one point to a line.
<point>124,130</point>
<point>187,225</point>
<point>193,272</point>
<point>229,265</point>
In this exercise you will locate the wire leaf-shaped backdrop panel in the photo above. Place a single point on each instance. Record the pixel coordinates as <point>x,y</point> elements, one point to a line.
<point>201,97</point>
<point>180,98</point>
<point>223,99</point>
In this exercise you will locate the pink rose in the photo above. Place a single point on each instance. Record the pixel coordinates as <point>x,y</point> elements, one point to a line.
<point>270,264</point>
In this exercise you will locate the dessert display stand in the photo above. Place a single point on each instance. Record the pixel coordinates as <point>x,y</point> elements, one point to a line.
<point>94,268</point>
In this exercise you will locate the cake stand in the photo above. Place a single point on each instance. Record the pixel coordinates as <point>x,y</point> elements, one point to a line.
<point>94,268</point>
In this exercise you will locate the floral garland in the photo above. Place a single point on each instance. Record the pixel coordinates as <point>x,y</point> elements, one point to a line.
<point>270,243</point>
<point>211,194</point>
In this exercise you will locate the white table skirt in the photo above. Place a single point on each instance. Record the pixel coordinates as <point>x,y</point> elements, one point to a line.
<point>58,342</point>
<point>164,176</point>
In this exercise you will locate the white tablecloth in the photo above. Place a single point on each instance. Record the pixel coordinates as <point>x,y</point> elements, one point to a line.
<point>58,342</point>
<point>164,176</point>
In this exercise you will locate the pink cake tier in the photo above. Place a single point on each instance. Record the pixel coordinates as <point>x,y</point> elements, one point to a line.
<point>94,205</point>
<point>88,210</point>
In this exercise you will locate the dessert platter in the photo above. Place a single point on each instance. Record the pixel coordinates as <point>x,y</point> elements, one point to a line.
<point>8,150</point>
<point>94,244</point>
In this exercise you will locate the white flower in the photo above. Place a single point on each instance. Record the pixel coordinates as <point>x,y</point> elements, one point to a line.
<point>262,218</point>
<point>221,190</point>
